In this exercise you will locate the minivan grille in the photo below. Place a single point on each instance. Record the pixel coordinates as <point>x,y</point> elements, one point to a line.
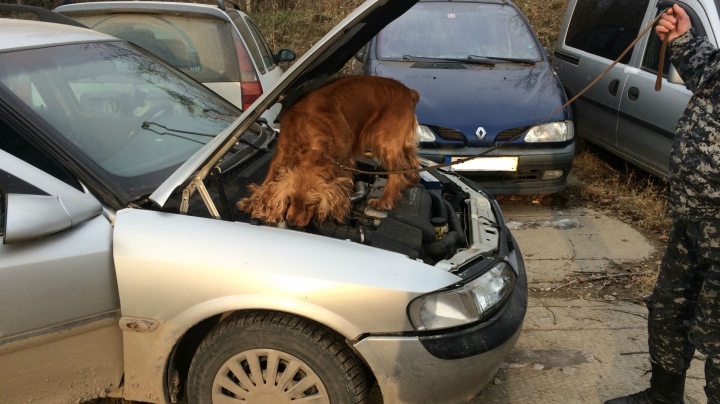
<point>510,133</point>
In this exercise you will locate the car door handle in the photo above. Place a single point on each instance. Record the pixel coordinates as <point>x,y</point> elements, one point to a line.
<point>633,93</point>
<point>613,87</point>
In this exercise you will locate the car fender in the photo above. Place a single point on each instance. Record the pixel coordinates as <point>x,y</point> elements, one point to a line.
<point>175,271</point>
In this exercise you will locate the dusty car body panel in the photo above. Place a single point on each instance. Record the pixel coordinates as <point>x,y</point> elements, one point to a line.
<point>58,316</point>
<point>349,287</point>
<point>388,355</point>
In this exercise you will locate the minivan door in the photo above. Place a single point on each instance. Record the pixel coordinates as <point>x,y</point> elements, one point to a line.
<point>648,118</point>
<point>598,32</point>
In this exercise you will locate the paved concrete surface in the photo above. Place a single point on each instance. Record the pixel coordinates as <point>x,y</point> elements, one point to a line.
<point>577,351</point>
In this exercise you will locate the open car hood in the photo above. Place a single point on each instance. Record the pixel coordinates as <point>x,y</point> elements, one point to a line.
<point>313,69</point>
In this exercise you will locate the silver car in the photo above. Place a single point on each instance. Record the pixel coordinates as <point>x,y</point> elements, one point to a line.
<point>125,270</point>
<point>219,46</point>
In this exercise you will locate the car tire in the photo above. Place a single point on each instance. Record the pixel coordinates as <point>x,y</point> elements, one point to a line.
<point>235,360</point>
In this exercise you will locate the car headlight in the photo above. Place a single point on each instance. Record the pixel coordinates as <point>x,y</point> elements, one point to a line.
<point>551,132</point>
<point>466,304</point>
<point>424,134</point>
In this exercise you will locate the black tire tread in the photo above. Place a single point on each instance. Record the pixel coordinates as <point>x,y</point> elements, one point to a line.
<point>303,328</point>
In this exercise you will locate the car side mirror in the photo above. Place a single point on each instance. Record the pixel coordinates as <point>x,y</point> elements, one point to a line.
<point>547,52</point>
<point>285,55</point>
<point>360,55</point>
<point>32,216</point>
<point>674,76</point>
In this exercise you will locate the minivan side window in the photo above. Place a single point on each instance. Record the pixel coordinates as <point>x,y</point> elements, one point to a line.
<point>606,27</point>
<point>651,58</point>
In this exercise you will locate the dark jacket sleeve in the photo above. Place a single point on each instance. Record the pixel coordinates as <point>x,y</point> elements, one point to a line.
<point>695,59</point>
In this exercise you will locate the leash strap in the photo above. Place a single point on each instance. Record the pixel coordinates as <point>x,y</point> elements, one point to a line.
<point>435,167</point>
<point>661,66</point>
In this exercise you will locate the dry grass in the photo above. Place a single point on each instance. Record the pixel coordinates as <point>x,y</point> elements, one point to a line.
<point>629,192</point>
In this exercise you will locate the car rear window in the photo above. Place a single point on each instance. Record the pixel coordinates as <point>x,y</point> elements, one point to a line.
<point>200,47</point>
<point>457,30</point>
<point>606,27</point>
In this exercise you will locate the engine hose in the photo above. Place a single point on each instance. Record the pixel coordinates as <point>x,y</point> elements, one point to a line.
<point>332,229</point>
<point>438,202</point>
<point>361,191</point>
<point>444,245</point>
<point>454,224</point>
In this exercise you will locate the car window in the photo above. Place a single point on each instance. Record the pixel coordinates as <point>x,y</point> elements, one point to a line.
<point>457,30</point>
<point>651,58</point>
<point>129,117</point>
<point>249,41</point>
<point>262,44</point>
<point>202,48</point>
<point>606,27</point>
<point>14,144</point>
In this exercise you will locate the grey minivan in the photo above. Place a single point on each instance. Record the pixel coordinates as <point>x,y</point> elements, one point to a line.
<point>623,113</point>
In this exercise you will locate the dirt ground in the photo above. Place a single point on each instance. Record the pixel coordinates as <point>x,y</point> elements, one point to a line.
<point>584,338</point>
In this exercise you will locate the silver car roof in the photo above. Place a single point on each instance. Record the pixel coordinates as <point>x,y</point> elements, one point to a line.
<point>21,34</point>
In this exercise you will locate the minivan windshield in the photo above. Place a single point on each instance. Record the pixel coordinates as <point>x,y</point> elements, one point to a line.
<point>454,30</point>
<point>125,114</point>
<point>198,45</point>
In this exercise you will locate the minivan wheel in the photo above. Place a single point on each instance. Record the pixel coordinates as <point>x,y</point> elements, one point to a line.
<point>273,358</point>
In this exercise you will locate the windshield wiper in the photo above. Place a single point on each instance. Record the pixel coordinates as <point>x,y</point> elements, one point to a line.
<point>447,60</point>
<point>483,60</point>
<point>502,59</point>
<point>146,125</point>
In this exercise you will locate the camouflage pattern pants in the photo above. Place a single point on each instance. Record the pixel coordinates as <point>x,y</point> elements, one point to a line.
<point>685,312</point>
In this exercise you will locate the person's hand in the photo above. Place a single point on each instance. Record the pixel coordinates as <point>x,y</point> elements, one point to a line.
<point>674,23</point>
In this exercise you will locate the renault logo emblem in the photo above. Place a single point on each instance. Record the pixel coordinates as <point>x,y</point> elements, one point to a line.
<point>480,133</point>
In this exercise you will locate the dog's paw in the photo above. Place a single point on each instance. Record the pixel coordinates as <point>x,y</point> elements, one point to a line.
<point>380,204</point>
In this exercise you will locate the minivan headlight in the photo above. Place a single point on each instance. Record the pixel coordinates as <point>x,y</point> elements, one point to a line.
<point>551,132</point>
<point>424,134</point>
<point>466,304</point>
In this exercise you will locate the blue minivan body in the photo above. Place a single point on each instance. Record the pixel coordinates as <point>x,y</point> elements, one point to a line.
<point>483,78</point>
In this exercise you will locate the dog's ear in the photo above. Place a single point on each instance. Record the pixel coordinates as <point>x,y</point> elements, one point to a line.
<point>268,202</point>
<point>335,200</point>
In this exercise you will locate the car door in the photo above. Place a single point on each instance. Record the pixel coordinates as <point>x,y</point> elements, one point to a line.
<point>648,118</point>
<point>59,304</point>
<point>593,39</point>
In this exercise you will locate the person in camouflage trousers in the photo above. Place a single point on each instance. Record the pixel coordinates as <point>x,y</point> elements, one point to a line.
<point>685,308</point>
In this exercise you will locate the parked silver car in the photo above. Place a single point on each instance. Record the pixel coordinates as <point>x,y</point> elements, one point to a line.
<point>623,113</point>
<point>219,46</point>
<point>126,272</point>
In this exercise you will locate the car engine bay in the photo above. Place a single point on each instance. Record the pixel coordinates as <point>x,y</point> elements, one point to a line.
<point>434,221</point>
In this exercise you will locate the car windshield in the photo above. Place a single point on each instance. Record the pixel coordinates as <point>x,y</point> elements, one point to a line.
<point>201,47</point>
<point>130,118</point>
<point>457,31</point>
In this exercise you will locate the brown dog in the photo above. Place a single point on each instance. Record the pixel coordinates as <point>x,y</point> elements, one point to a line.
<point>338,123</point>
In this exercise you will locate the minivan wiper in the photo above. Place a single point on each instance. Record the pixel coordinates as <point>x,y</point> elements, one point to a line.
<point>501,59</point>
<point>488,62</point>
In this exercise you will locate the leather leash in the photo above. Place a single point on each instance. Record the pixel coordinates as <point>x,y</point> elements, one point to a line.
<point>661,66</point>
<point>436,166</point>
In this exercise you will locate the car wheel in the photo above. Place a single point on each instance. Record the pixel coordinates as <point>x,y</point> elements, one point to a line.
<point>268,357</point>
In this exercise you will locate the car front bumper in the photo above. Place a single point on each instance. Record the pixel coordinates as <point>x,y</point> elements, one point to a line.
<point>446,368</point>
<point>532,164</point>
